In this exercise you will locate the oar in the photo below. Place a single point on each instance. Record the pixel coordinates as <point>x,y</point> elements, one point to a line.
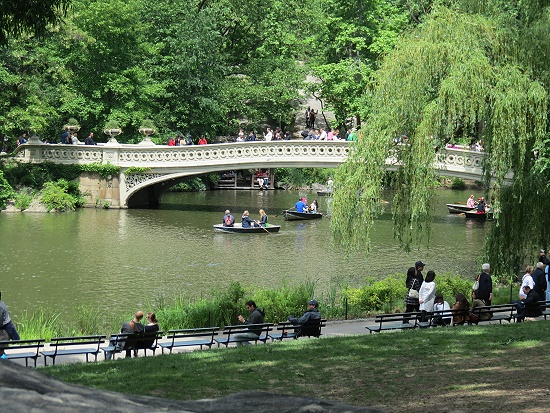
<point>264,228</point>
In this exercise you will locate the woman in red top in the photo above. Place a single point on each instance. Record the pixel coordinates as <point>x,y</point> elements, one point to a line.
<point>203,141</point>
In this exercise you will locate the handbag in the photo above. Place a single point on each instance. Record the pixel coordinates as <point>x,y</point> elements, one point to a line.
<point>412,292</point>
<point>475,287</point>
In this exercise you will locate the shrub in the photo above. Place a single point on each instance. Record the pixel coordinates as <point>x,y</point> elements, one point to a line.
<point>61,195</point>
<point>458,183</point>
<point>23,199</point>
<point>6,191</point>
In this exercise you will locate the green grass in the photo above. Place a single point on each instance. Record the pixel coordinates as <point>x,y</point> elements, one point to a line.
<point>477,366</point>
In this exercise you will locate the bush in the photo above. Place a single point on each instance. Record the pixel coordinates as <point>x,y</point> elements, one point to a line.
<point>61,195</point>
<point>23,199</point>
<point>6,191</point>
<point>458,183</point>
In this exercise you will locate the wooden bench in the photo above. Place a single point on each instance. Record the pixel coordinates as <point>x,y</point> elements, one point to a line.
<point>228,333</point>
<point>288,330</point>
<point>190,337</point>
<point>545,307</point>
<point>32,346</point>
<point>500,313</point>
<point>397,321</point>
<point>74,344</point>
<point>147,340</point>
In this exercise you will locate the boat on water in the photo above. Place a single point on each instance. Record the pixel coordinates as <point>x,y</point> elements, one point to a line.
<point>324,193</point>
<point>297,216</point>
<point>237,228</point>
<point>484,216</point>
<point>458,208</point>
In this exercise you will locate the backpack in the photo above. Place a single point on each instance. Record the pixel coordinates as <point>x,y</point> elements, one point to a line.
<point>228,221</point>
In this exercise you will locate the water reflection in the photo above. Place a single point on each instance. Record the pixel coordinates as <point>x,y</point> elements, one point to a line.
<point>121,260</point>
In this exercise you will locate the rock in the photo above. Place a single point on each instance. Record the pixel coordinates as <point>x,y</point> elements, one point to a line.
<point>24,390</point>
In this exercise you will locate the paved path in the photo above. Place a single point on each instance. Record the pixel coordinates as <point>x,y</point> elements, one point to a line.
<point>333,328</point>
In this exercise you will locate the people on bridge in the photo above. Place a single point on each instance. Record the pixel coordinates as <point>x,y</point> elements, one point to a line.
<point>90,139</point>
<point>228,219</point>
<point>263,219</point>
<point>256,316</point>
<point>301,205</point>
<point>268,136</point>
<point>471,203</point>
<point>247,222</point>
<point>203,141</point>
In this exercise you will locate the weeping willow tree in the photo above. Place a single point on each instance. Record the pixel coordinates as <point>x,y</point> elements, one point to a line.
<point>462,73</point>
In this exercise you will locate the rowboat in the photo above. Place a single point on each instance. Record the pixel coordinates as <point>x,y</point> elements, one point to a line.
<point>472,214</point>
<point>237,228</point>
<point>296,216</point>
<point>324,193</point>
<point>458,208</point>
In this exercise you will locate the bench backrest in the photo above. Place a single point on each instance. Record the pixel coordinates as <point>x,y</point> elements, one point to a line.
<point>248,328</point>
<point>143,340</point>
<point>77,340</point>
<point>192,333</point>
<point>36,343</point>
<point>388,318</point>
<point>312,328</point>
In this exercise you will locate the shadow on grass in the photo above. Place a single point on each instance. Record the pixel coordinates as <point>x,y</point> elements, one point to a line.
<point>438,370</point>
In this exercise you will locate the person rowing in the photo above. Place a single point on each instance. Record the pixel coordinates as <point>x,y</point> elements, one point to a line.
<point>301,205</point>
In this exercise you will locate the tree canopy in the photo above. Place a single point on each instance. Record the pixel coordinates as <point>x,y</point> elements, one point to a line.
<point>460,73</point>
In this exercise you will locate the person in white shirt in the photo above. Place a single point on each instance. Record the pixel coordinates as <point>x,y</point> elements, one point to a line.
<point>323,135</point>
<point>526,280</point>
<point>268,136</point>
<point>426,295</point>
<point>441,319</point>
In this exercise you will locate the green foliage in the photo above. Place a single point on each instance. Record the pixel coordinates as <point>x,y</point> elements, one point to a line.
<point>23,199</point>
<point>389,294</point>
<point>279,303</point>
<point>103,169</point>
<point>6,191</point>
<point>458,183</point>
<point>39,324</point>
<point>147,124</point>
<point>302,177</point>
<point>192,184</point>
<point>89,320</point>
<point>136,170</point>
<point>61,195</point>
<point>111,124</point>
<point>72,122</point>
<point>36,175</point>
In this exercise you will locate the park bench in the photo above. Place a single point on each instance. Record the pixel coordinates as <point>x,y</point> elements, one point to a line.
<point>189,337</point>
<point>146,340</point>
<point>31,347</point>
<point>545,307</point>
<point>228,334</point>
<point>288,330</point>
<point>499,312</point>
<point>75,347</point>
<point>396,321</point>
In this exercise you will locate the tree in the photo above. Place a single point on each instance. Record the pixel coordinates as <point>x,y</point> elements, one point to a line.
<point>30,16</point>
<point>458,74</point>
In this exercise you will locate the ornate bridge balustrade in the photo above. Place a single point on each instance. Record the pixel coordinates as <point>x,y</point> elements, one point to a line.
<point>168,164</point>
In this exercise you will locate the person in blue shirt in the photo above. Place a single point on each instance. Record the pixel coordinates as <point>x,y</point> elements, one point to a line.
<point>301,205</point>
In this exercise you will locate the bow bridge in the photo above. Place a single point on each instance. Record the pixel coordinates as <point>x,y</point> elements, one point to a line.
<point>169,165</point>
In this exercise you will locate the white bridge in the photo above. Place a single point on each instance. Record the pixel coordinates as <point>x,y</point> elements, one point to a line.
<point>168,165</point>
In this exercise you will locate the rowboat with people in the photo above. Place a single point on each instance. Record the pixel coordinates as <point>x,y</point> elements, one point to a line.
<point>293,215</point>
<point>480,216</point>
<point>458,208</point>
<point>237,228</point>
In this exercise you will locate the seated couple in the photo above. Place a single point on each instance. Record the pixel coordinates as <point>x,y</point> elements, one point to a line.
<point>135,326</point>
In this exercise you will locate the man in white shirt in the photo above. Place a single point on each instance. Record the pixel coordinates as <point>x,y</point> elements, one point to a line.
<point>268,136</point>
<point>323,135</point>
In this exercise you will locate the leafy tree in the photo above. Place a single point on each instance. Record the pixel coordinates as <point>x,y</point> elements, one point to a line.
<point>457,74</point>
<point>6,191</point>
<point>30,16</point>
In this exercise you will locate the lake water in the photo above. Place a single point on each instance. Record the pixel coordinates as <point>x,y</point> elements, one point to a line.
<point>121,260</point>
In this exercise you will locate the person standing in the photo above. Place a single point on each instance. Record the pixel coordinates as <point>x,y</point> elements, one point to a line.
<point>90,139</point>
<point>414,282</point>
<point>485,288</point>
<point>256,316</point>
<point>426,295</point>
<point>539,278</point>
<point>526,280</point>
<point>269,135</point>
<point>6,323</point>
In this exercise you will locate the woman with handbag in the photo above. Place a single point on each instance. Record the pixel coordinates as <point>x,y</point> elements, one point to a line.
<point>414,282</point>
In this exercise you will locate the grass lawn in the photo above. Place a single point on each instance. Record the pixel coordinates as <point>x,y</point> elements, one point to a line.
<point>496,368</point>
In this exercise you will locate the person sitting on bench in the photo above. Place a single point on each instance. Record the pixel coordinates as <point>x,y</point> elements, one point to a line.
<point>256,317</point>
<point>529,307</point>
<point>133,326</point>
<point>311,314</point>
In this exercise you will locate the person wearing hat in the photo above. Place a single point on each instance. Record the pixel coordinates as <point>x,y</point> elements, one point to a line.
<point>228,219</point>
<point>312,313</point>
<point>485,288</point>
